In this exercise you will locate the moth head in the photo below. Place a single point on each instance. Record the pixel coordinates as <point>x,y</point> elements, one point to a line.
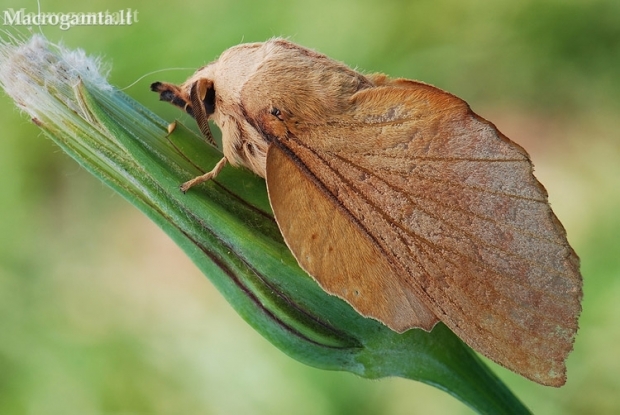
<point>213,92</point>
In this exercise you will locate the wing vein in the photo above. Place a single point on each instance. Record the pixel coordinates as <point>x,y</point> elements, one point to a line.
<point>469,186</point>
<point>450,159</point>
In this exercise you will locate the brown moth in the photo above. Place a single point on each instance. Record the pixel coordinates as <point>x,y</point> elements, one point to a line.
<point>397,198</point>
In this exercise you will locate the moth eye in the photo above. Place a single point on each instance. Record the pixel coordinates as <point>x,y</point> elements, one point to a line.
<point>276,113</point>
<point>209,100</point>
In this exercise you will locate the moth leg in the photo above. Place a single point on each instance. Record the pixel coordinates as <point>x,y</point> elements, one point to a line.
<point>205,177</point>
<point>171,127</point>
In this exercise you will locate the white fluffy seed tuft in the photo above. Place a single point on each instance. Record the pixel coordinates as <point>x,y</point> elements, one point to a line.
<point>37,74</point>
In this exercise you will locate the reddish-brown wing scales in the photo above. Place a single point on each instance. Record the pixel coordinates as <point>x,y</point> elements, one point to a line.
<point>452,206</point>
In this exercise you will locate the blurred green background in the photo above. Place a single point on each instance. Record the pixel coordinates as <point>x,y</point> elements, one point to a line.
<point>101,314</point>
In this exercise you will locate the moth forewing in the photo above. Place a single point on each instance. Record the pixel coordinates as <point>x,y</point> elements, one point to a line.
<point>443,211</point>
